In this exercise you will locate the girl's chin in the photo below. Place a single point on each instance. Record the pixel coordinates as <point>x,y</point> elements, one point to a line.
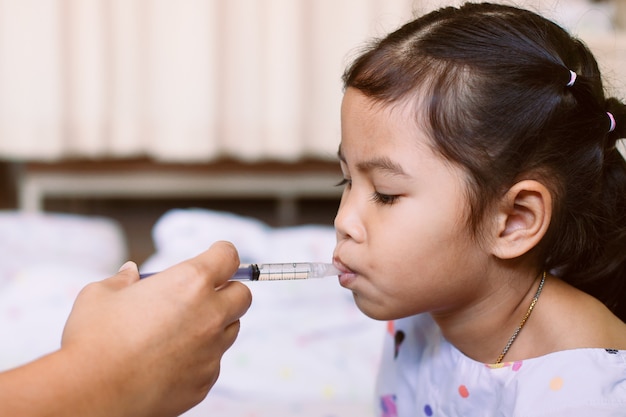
<point>376,309</point>
<point>373,313</point>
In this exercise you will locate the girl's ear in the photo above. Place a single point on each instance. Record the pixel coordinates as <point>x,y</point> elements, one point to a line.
<point>522,219</point>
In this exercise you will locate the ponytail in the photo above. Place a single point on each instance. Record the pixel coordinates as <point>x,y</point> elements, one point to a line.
<point>606,277</point>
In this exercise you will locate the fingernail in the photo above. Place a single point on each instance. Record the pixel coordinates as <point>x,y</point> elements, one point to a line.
<point>128,265</point>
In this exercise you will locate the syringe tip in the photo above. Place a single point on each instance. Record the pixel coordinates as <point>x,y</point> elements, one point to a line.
<point>319,270</point>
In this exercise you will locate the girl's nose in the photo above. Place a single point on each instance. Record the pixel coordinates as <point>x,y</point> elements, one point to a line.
<point>348,221</point>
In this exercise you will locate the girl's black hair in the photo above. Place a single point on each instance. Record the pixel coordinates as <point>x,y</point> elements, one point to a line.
<point>492,85</point>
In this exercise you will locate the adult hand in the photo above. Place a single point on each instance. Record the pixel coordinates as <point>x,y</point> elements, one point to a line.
<point>156,344</point>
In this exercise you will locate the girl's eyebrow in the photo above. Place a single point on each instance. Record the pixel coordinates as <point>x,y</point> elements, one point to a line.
<point>383,164</point>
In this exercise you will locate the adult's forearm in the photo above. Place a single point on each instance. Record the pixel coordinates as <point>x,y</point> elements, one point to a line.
<point>54,385</point>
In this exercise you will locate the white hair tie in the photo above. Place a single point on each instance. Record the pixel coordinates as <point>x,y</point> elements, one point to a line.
<point>612,119</point>
<point>572,78</point>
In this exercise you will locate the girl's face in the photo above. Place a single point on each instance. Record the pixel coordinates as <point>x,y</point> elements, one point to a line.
<point>402,240</point>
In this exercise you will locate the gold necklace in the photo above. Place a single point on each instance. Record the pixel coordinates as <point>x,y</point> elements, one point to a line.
<point>523,322</point>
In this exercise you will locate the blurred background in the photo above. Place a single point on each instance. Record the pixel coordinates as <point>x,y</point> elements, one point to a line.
<point>128,108</point>
<point>147,129</point>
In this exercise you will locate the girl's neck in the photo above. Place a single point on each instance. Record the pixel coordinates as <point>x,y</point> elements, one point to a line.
<point>482,330</point>
<point>563,318</point>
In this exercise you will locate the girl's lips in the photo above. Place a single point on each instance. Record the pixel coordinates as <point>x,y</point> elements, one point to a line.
<point>346,275</point>
<point>340,266</point>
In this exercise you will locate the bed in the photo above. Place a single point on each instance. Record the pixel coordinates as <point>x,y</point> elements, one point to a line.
<point>304,349</point>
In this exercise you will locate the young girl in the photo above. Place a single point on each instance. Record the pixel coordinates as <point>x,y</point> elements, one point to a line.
<point>484,215</point>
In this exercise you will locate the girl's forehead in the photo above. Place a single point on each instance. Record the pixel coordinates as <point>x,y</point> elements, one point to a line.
<point>369,126</point>
<point>356,103</point>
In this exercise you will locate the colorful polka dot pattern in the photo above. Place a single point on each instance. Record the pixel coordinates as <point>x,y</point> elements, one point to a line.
<point>388,406</point>
<point>544,379</point>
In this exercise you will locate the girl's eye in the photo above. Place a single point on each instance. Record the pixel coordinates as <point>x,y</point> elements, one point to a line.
<point>384,199</point>
<point>344,182</point>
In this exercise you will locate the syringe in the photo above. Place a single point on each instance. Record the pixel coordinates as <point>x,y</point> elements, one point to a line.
<point>280,271</point>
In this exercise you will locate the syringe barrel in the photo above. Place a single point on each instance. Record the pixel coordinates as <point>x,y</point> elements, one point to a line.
<point>283,271</point>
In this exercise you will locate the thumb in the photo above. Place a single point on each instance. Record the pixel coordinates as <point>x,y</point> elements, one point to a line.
<point>127,274</point>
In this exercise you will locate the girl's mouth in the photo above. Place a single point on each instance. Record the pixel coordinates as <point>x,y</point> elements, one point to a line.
<point>346,276</point>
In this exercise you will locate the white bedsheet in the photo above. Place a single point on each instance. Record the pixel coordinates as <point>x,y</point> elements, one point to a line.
<point>45,259</point>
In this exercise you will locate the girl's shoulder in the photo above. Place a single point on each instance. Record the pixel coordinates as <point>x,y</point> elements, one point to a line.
<point>573,319</point>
